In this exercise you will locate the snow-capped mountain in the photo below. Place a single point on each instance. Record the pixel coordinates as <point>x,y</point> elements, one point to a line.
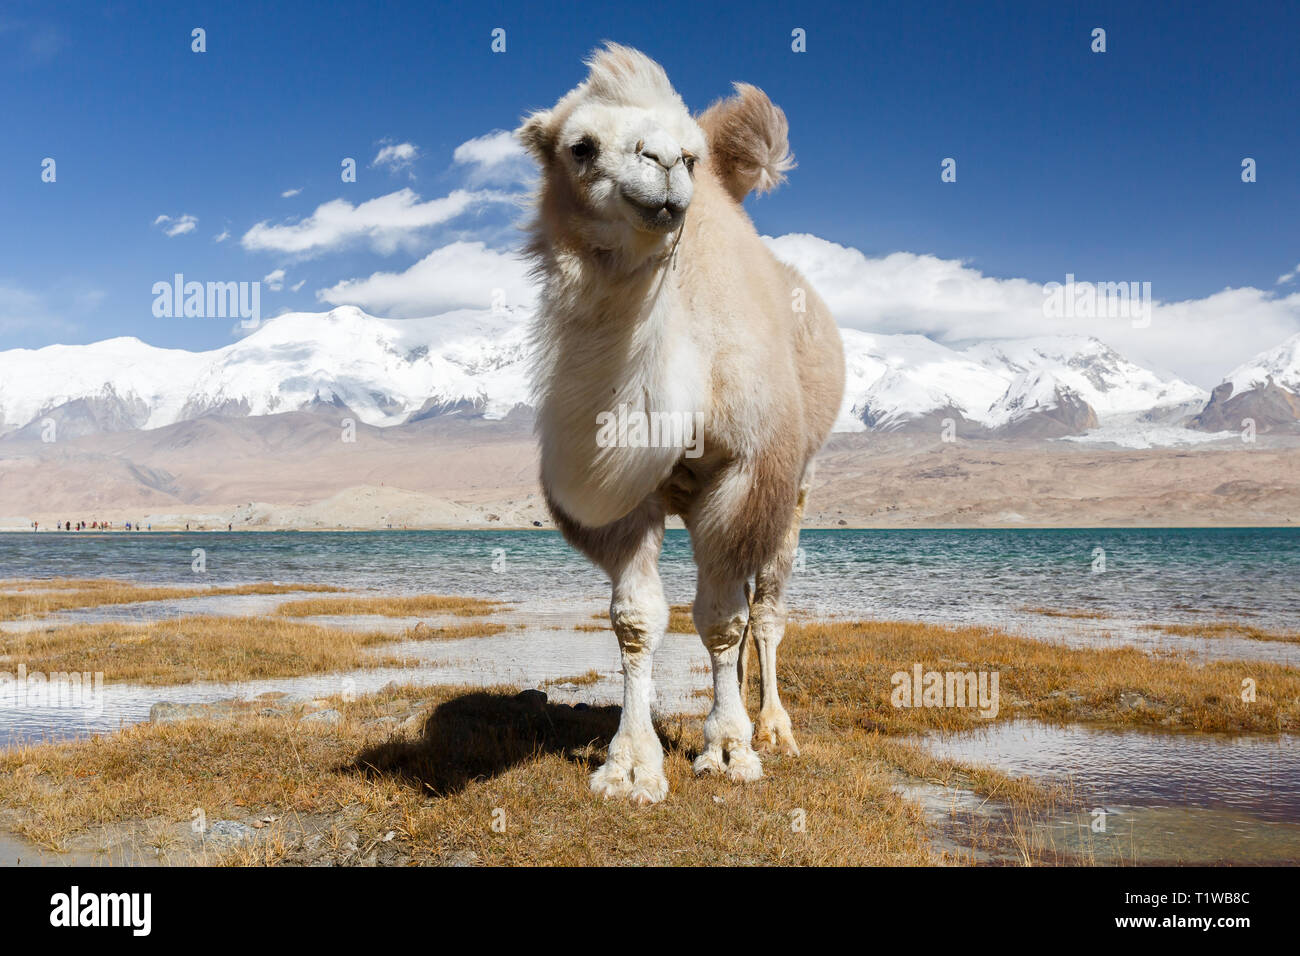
<point>900,381</point>
<point>391,371</point>
<point>1281,364</point>
<point>387,371</point>
<point>1264,390</point>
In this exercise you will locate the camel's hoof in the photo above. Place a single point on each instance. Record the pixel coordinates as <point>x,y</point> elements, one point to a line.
<point>774,734</point>
<point>641,785</point>
<point>709,762</point>
<point>741,765</point>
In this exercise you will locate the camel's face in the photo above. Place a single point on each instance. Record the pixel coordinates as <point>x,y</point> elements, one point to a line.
<point>629,167</point>
<point>618,154</point>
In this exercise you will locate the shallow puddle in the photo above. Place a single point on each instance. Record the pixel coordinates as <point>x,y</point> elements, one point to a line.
<point>1133,796</point>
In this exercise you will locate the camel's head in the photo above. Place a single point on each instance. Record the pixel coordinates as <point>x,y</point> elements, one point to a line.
<point>617,153</point>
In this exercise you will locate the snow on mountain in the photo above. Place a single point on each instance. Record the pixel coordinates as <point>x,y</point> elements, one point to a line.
<point>146,381</point>
<point>389,371</point>
<point>1264,392</point>
<point>893,380</point>
<point>384,370</point>
<point>1281,364</point>
<point>1089,368</point>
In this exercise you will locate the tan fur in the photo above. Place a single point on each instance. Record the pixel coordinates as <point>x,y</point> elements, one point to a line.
<point>659,295</point>
<point>748,141</point>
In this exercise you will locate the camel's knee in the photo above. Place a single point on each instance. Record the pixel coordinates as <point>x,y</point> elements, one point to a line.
<point>719,632</point>
<point>639,622</point>
<point>769,618</point>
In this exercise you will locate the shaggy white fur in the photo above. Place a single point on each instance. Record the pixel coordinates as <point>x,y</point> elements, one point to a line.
<point>660,298</point>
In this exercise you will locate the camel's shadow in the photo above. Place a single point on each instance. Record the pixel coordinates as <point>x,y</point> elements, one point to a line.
<point>481,735</point>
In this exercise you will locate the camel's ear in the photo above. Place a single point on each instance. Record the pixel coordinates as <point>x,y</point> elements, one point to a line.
<point>537,136</point>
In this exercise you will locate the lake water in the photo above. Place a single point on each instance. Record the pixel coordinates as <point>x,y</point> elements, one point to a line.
<point>978,577</point>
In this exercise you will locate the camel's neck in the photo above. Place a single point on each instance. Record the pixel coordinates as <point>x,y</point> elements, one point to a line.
<point>594,297</point>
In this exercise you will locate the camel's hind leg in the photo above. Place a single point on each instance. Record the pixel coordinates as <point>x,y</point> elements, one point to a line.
<point>767,627</point>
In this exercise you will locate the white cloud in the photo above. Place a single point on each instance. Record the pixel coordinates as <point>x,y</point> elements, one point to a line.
<point>494,157</point>
<point>225,234</point>
<point>386,222</point>
<point>177,226</point>
<point>298,285</point>
<point>1288,276</point>
<point>396,156</point>
<point>274,280</point>
<point>289,193</point>
<point>1198,339</point>
<point>461,275</point>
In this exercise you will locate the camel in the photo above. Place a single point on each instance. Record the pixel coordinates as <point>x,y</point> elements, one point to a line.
<point>659,302</point>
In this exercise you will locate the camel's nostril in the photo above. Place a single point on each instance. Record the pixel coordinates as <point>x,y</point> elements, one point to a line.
<point>657,156</point>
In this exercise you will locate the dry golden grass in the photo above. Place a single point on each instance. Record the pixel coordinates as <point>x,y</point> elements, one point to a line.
<point>848,666</point>
<point>476,753</point>
<point>390,606</point>
<point>208,648</point>
<point>1226,629</point>
<point>679,620</point>
<point>592,676</point>
<point>28,599</point>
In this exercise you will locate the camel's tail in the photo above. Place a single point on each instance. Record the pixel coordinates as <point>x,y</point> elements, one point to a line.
<point>746,641</point>
<point>749,141</point>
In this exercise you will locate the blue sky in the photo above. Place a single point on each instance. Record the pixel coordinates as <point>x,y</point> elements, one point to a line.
<point>1116,166</point>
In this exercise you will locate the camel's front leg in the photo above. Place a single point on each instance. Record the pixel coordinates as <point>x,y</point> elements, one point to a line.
<point>720,612</point>
<point>639,613</point>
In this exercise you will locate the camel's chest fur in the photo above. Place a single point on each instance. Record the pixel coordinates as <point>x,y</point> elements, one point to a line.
<point>625,399</point>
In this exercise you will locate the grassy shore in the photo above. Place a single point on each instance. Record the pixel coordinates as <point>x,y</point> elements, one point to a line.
<point>389,606</point>
<point>35,599</point>
<point>474,757</point>
<point>848,666</point>
<point>420,775</point>
<point>1212,629</point>
<point>203,648</point>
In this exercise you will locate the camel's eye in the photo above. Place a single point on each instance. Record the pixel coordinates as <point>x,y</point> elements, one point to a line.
<point>689,160</point>
<point>583,150</point>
